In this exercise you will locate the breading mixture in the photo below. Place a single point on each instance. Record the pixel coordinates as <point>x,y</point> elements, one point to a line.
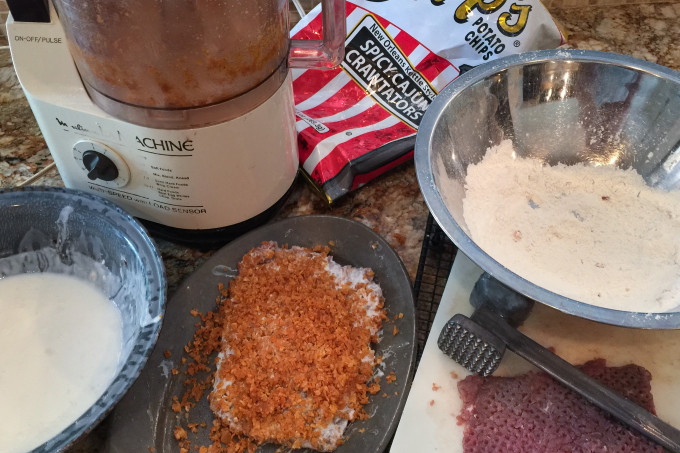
<point>295,362</point>
<point>597,234</point>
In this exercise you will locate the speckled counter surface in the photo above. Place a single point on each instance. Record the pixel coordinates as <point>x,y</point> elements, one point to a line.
<point>392,205</point>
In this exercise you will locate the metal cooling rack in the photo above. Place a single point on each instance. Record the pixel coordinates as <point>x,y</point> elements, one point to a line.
<point>436,259</point>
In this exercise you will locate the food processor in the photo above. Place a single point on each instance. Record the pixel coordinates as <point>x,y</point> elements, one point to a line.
<point>180,111</point>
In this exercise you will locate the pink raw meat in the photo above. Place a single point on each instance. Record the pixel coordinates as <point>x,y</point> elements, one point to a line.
<point>534,413</point>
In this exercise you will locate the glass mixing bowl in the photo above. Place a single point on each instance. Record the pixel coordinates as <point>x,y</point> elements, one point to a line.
<point>71,232</point>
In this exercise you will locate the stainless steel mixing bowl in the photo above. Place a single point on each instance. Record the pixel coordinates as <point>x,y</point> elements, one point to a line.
<point>565,106</point>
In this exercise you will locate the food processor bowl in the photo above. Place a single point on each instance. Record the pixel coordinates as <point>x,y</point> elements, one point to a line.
<point>188,63</point>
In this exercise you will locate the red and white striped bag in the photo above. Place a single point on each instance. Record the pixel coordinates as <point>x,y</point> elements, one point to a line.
<point>359,120</point>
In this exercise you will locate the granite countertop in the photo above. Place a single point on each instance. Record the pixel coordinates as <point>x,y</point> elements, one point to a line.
<point>392,204</point>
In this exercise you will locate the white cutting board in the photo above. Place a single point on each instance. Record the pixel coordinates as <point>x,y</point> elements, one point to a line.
<point>428,423</point>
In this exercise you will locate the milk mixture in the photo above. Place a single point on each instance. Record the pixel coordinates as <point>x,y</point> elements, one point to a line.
<point>60,341</point>
<point>595,234</point>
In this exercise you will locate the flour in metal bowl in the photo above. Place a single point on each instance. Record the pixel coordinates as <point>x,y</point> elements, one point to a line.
<point>594,233</point>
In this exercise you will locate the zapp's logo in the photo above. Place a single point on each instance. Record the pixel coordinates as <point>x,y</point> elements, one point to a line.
<point>510,22</point>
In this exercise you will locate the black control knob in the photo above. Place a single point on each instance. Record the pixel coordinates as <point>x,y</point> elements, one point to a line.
<point>99,166</point>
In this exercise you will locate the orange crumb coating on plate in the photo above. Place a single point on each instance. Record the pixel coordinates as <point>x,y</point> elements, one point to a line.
<point>296,348</point>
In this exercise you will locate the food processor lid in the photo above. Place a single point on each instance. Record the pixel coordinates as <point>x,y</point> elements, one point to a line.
<point>191,117</point>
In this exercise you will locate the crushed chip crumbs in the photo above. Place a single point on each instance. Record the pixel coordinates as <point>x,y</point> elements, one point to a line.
<point>391,377</point>
<point>295,360</point>
<point>180,433</point>
<point>176,406</point>
<point>435,387</point>
<point>395,330</point>
<point>431,402</point>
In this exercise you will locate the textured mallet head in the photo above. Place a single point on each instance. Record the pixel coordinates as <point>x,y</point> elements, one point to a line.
<point>471,345</point>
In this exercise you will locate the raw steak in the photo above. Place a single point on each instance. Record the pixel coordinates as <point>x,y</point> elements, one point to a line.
<point>535,413</point>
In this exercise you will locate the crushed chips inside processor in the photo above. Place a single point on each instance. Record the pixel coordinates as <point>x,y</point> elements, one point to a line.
<point>296,363</point>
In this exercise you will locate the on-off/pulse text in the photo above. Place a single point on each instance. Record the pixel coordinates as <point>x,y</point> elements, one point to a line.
<point>38,39</point>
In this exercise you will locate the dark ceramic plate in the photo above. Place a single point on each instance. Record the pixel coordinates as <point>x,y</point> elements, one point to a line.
<point>144,417</point>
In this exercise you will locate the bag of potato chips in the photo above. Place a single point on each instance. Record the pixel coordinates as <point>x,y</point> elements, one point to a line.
<point>359,120</point>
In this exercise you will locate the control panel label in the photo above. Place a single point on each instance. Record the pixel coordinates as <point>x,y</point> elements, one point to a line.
<point>39,39</point>
<point>118,194</point>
